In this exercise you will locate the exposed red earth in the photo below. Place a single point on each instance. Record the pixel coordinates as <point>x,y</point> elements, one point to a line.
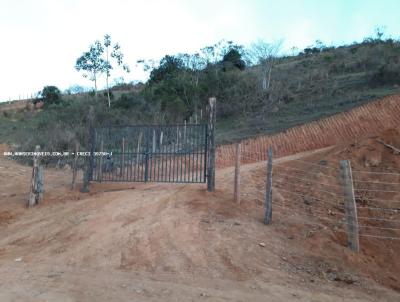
<point>178,242</point>
<point>364,121</point>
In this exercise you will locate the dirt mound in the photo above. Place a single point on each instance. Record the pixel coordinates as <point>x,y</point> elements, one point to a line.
<point>371,154</point>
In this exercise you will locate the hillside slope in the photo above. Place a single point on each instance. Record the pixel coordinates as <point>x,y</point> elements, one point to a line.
<point>306,87</point>
<point>363,121</point>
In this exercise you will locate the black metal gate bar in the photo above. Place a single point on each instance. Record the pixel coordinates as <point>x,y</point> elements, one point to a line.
<point>173,153</point>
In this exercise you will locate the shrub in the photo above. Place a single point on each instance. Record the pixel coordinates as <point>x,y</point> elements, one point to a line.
<point>386,75</point>
<point>328,58</point>
<point>111,94</point>
<point>127,101</point>
<point>51,94</point>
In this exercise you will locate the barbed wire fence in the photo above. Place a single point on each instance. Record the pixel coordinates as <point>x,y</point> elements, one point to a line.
<point>318,195</point>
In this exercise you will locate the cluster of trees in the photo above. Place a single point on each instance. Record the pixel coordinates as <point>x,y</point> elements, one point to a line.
<point>246,80</point>
<point>99,59</point>
<point>258,89</point>
<point>179,85</point>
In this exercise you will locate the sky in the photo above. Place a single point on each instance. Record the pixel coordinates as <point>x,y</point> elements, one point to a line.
<point>41,39</point>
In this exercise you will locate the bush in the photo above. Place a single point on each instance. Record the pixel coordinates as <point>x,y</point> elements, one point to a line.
<point>386,75</point>
<point>111,94</point>
<point>127,101</point>
<point>50,95</point>
<point>328,58</point>
<point>233,59</point>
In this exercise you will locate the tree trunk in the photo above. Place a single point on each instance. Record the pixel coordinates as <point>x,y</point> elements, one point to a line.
<point>95,85</point>
<point>269,76</point>
<point>264,82</point>
<point>108,93</point>
<point>107,75</point>
<point>264,78</point>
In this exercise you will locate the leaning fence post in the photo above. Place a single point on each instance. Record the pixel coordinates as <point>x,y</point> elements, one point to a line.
<point>211,145</point>
<point>268,194</point>
<point>36,189</point>
<point>350,206</point>
<point>236,192</point>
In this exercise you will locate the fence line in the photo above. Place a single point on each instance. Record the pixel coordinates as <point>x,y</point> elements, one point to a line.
<point>301,180</point>
<point>379,182</point>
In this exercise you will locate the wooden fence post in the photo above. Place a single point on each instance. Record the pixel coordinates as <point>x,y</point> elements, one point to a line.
<point>184,134</point>
<point>74,171</point>
<point>236,192</point>
<point>138,148</point>
<point>90,139</point>
<point>92,142</point>
<point>350,205</point>
<point>154,141</point>
<point>211,145</point>
<point>101,161</point>
<point>86,177</point>
<point>268,194</point>
<point>36,189</point>
<point>161,139</point>
<point>122,158</point>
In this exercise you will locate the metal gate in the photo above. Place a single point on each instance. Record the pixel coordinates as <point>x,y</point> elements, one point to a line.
<point>173,153</point>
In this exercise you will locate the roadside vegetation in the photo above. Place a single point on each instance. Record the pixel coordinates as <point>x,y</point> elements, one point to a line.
<point>258,91</point>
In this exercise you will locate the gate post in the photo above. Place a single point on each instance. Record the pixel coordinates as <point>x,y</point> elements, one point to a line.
<point>211,144</point>
<point>91,141</point>
<point>268,193</point>
<point>89,163</point>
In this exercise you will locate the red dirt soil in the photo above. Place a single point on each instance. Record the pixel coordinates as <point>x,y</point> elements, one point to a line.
<point>345,127</point>
<point>176,242</point>
<point>313,187</point>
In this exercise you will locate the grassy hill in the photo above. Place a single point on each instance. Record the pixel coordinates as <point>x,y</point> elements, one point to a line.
<point>319,85</point>
<point>316,83</point>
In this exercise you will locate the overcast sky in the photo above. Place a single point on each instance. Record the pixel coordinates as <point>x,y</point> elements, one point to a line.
<point>41,39</point>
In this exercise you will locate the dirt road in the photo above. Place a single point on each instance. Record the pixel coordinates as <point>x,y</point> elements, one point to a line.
<point>165,242</point>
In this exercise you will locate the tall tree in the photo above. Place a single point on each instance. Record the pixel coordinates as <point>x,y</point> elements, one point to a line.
<point>92,63</point>
<point>115,54</point>
<point>265,54</point>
